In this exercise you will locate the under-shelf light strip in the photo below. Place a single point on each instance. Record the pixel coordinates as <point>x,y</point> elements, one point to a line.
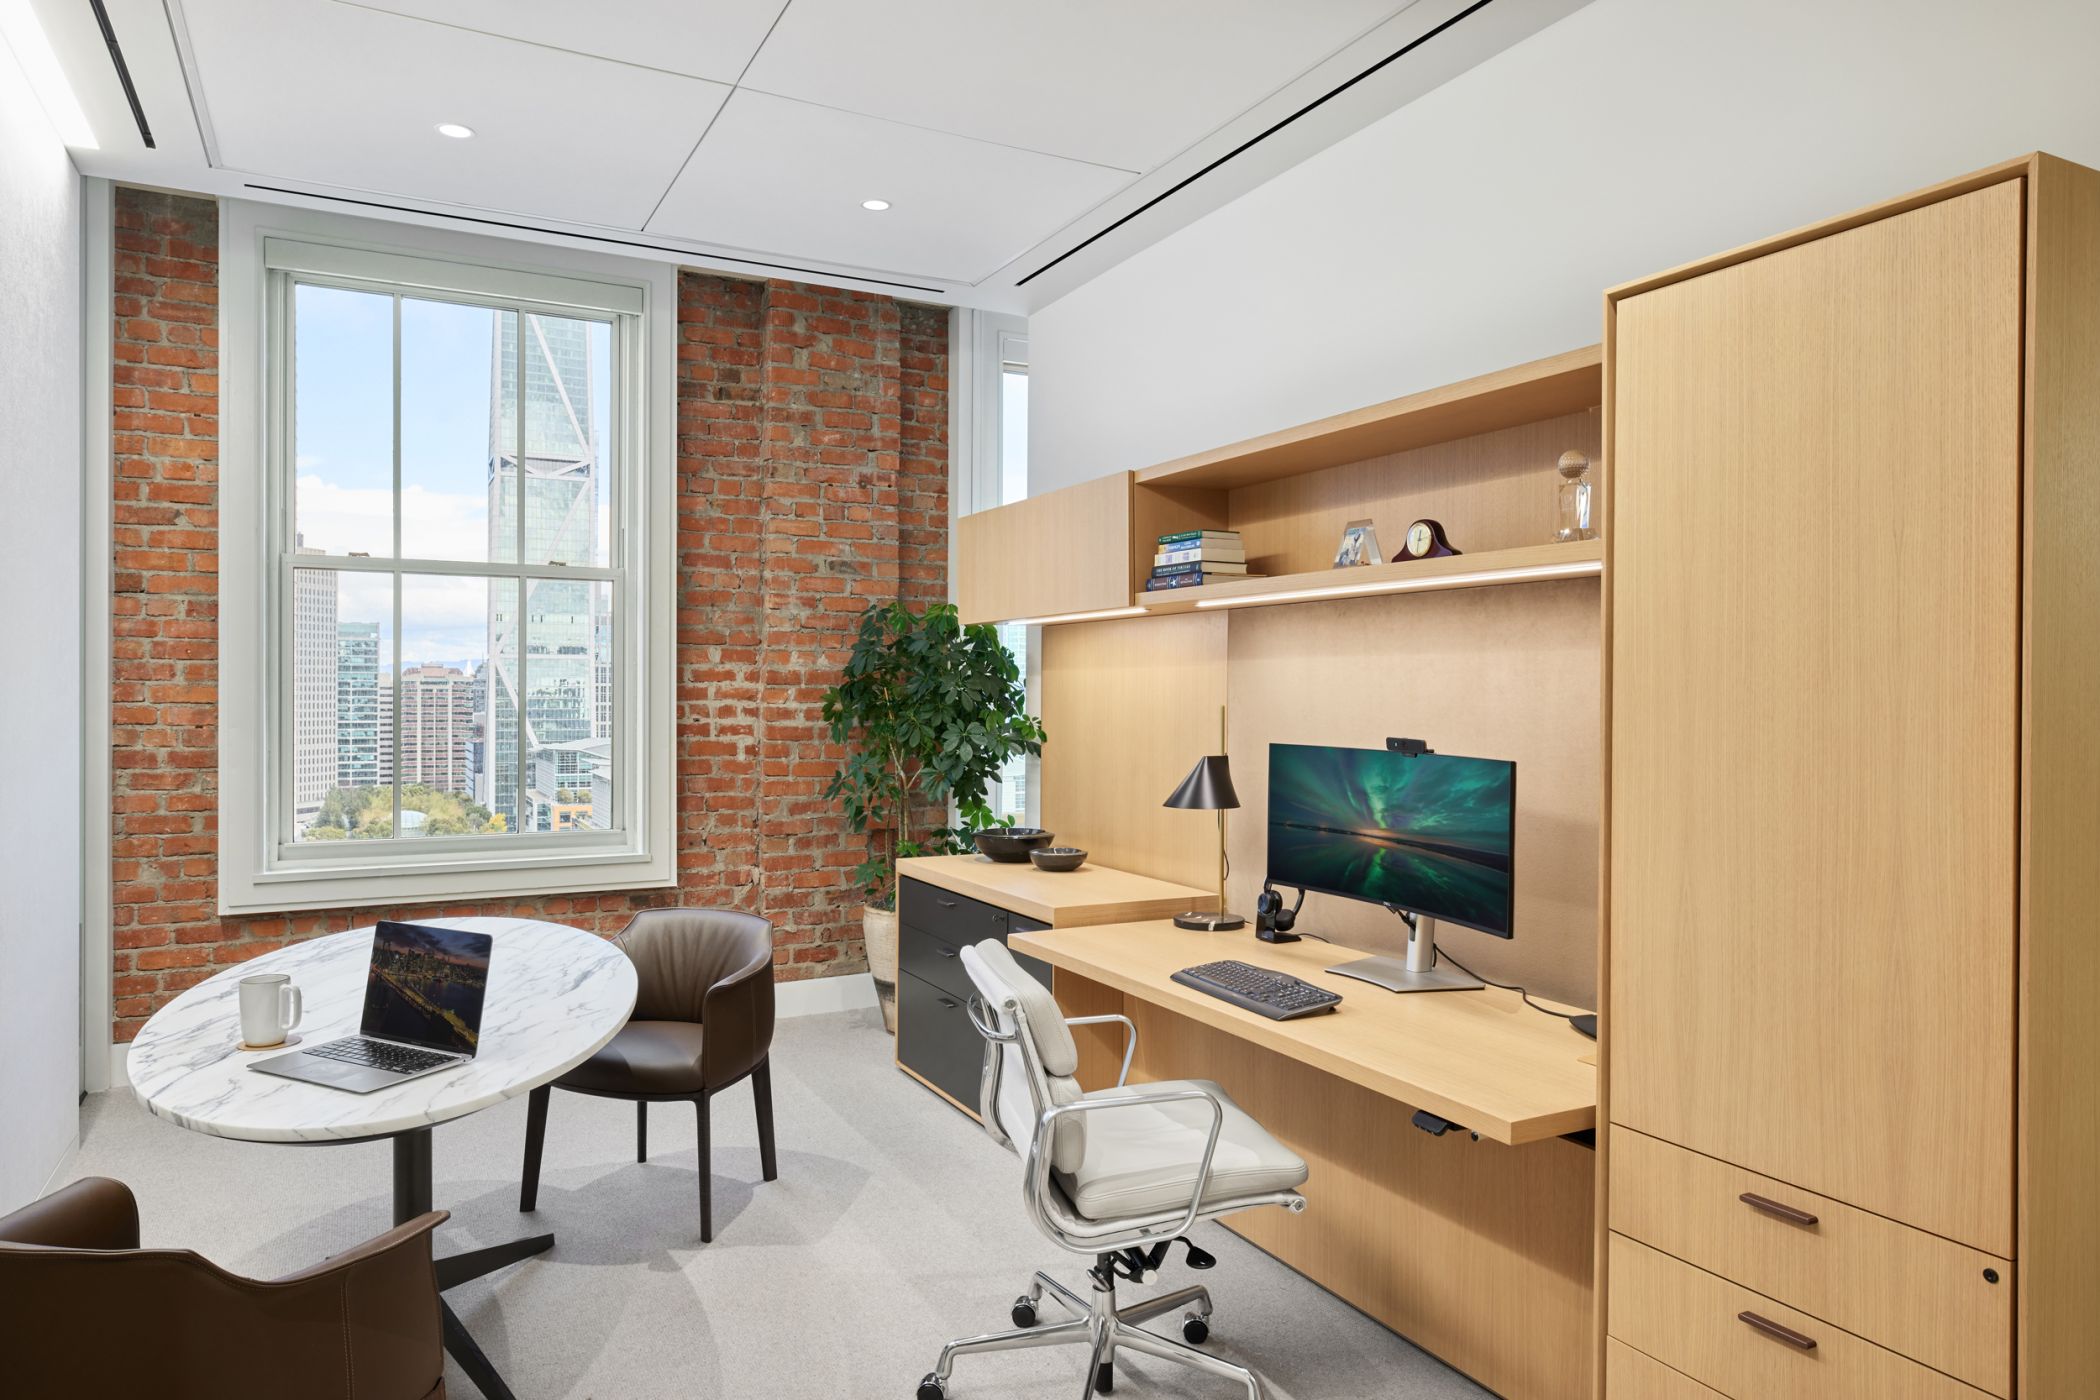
<point>1075,617</point>
<point>1408,585</point>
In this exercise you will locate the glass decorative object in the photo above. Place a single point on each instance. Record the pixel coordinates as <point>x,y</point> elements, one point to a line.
<point>1575,523</point>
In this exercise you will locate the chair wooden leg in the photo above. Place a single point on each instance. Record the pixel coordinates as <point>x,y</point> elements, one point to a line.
<point>762,1093</point>
<point>641,1130</point>
<point>535,1141</point>
<point>707,1173</point>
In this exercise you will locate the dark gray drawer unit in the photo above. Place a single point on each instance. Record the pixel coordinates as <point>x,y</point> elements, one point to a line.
<point>935,1039</point>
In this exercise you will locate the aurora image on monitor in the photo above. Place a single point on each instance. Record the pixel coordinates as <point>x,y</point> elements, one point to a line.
<point>1429,833</point>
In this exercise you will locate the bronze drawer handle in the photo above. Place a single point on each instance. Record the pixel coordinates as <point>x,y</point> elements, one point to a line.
<point>1784,1212</point>
<point>1773,1329</point>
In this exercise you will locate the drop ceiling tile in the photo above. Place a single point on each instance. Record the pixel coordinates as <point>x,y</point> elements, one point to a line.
<point>789,177</point>
<point>713,40</point>
<point>1110,81</point>
<point>336,94</point>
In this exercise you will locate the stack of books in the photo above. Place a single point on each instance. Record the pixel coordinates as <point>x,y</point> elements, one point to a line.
<point>1192,558</point>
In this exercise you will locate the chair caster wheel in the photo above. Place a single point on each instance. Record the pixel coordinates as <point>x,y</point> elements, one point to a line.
<point>932,1389</point>
<point>1105,1378</point>
<point>1024,1313</point>
<point>1195,1330</point>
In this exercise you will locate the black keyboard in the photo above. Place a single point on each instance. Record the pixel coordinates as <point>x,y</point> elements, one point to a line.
<point>401,1059</point>
<point>1276,995</point>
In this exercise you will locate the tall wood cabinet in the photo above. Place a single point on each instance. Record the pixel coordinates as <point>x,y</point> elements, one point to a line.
<point>1853,842</point>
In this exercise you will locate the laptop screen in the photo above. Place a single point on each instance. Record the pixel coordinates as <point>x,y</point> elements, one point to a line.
<point>425,986</point>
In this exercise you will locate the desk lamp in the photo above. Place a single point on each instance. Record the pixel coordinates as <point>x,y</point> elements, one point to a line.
<point>1208,788</point>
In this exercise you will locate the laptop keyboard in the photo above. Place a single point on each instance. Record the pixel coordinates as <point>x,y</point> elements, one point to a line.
<point>400,1059</point>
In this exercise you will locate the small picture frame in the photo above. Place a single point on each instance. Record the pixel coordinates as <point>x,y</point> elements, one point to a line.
<point>1359,546</point>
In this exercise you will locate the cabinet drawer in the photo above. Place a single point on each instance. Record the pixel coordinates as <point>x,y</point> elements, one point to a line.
<point>1915,1293</point>
<point>934,960</point>
<point>952,918</point>
<point>936,1041</point>
<point>1635,1375</point>
<point>1697,1323</point>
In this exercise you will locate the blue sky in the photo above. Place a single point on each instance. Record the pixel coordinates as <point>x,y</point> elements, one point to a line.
<point>344,453</point>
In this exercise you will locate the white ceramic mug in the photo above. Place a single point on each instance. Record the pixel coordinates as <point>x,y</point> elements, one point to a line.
<point>270,1006</point>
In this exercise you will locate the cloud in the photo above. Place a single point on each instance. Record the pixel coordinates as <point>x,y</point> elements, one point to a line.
<point>443,618</point>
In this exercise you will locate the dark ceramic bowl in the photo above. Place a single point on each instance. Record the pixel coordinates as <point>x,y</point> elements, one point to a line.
<point>1057,857</point>
<point>1011,843</point>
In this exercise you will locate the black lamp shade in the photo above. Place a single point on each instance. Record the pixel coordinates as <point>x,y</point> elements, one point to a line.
<point>1208,787</point>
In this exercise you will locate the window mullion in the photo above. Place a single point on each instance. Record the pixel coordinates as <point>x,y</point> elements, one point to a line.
<point>400,583</point>
<point>519,759</point>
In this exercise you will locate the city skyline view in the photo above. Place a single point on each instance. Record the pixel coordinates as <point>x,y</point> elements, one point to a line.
<point>434,713</point>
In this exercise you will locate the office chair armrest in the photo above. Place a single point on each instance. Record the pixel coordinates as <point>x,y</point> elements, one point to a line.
<point>1038,1170</point>
<point>1129,1038</point>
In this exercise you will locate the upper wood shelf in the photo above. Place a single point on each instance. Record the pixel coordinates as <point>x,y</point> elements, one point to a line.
<point>1537,563</point>
<point>1547,388</point>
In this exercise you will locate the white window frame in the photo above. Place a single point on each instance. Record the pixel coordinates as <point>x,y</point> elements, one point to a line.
<point>982,346</point>
<point>264,250</point>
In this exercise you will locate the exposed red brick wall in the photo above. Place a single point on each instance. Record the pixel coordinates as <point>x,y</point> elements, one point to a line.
<point>812,479</point>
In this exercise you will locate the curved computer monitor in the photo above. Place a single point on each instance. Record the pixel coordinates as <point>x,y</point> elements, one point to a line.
<point>1432,834</point>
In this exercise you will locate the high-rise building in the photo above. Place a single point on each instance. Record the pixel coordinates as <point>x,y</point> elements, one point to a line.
<point>437,727</point>
<point>553,480</point>
<point>313,690</point>
<point>357,704</point>
<point>383,747</point>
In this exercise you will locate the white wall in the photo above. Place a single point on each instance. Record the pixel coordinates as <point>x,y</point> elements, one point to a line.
<point>1478,227</point>
<point>40,736</point>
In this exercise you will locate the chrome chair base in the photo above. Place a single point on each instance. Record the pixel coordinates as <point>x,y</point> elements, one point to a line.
<point>1104,1328</point>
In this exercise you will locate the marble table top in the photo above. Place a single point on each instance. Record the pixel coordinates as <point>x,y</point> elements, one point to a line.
<point>555,996</point>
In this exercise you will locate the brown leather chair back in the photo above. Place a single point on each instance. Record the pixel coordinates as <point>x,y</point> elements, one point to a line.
<point>713,966</point>
<point>361,1326</point>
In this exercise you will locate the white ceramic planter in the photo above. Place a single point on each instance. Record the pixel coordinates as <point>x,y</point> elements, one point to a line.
<point>878,931</point>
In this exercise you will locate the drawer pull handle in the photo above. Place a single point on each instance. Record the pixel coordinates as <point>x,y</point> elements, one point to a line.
<point>944,903</point>
<point>951,1005</point>
<point>945,952</point>
<point>1778,1209</point>
<point>1776,1330</point>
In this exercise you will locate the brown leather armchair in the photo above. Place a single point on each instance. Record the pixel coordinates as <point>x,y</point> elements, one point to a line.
<point>703,1019</point>
<point>90,1313</point>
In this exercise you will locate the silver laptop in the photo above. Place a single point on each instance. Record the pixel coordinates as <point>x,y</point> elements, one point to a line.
<point>423,995</point>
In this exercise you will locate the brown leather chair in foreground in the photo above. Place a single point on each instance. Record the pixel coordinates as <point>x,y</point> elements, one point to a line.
<point>87,1312</point>
<point>703,1019</point>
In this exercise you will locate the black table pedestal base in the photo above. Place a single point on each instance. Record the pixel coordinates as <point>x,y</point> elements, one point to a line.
<point>412,1198</point>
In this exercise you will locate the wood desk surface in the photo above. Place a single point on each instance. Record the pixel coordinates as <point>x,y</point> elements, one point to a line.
<point>1092,894</point>
<point>1482,1059</point>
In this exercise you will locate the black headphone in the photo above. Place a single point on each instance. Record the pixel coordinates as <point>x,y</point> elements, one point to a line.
<point>1272,922</point>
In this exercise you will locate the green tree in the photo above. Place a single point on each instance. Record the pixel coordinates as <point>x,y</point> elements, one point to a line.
<point>928,711</point>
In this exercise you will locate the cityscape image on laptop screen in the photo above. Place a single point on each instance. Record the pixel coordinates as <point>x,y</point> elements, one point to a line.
<point>1429,834</point>
<point>425,986</point>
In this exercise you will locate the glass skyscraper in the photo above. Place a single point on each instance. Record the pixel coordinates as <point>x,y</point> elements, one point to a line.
<point>357,731</point>
<point>554,480</point>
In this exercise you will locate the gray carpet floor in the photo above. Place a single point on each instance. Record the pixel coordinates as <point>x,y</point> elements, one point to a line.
<point>895,1225</point>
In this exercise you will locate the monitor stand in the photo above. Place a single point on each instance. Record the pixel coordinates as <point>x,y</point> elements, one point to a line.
<point>1417,972</point>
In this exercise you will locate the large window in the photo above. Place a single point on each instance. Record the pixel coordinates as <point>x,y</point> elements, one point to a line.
<point>989,354</point>
<point>453,663</point>
<point>457,679</point>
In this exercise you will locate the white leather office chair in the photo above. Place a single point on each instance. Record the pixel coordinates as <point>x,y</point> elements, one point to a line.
<point>1119,1174</point>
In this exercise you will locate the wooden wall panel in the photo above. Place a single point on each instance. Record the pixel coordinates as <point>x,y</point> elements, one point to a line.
<point>1491,672</point>
<point>1129,706</point>
<point>2059,1076</point>
<point>1494,491</point>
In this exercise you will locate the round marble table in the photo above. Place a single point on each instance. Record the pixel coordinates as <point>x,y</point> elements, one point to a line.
<point>555,996</point>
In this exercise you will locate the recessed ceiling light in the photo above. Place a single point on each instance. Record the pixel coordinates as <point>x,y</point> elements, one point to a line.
<point>878,205</point>
<point>455,130</point>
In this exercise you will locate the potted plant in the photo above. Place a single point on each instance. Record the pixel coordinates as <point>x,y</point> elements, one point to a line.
<point>927,711</point>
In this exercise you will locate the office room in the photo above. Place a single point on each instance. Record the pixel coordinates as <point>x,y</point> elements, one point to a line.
<point>1348,700</point>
